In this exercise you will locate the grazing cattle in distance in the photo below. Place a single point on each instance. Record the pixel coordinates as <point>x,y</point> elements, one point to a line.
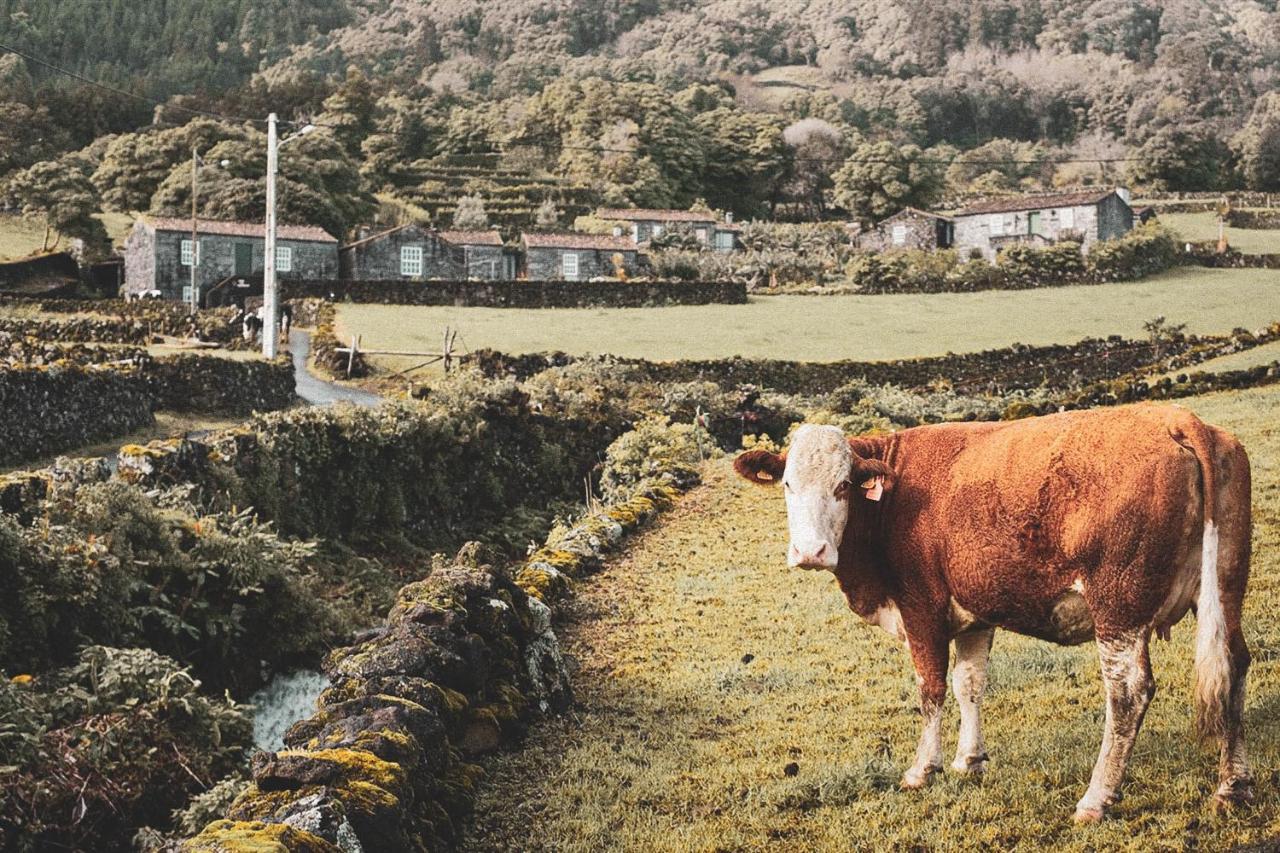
<point>1107,524</point>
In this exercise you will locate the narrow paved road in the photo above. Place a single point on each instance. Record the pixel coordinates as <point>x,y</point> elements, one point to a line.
<point>314,390</point>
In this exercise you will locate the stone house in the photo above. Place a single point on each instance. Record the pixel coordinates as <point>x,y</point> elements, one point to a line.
<point>909,228</point>
<point>1040,220</point>
<point>577,257</point>
<point>416,252</point>
<point>158,253</point>
<point>644,224</point>
<point>481,254</point>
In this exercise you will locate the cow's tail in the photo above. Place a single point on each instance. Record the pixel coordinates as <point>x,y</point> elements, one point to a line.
<point>1213,655</point>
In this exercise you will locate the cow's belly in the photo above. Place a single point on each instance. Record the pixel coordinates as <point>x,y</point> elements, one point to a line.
<point>1063,619</point>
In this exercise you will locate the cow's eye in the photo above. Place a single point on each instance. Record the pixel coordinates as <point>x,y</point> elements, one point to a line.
<point>786,485</point>
<point>842,491</point>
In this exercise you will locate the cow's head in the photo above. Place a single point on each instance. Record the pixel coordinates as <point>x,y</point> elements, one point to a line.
<point>820,474</point>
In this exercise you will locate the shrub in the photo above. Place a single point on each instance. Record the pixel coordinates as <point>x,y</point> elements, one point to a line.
<point>655,448</point>
<point>114,742</point>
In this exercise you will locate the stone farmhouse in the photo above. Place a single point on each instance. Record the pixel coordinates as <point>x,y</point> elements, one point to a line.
<point>1040,220</point>
<point>158,254</point>
<point>577,257</point>
<point>645,224</point>
<point>416,252</point>
<point>909,228</point>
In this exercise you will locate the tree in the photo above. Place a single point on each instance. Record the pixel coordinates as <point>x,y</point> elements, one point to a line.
<point>1257,145</point>
<point>814,149</point>
<point>1175,158</point>
<point>880,179</point>
<point>318,184</point>
<point>547,216</point>
<point>349,111</point>
<point>470,214</point>
<point>60,193</point>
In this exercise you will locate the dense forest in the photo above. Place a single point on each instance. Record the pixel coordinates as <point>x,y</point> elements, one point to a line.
<point>804,109</point>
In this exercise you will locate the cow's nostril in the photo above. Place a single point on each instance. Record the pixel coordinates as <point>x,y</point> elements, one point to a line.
<point>822,549</point>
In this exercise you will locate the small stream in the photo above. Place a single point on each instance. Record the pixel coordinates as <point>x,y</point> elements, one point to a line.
<point>287,698</point>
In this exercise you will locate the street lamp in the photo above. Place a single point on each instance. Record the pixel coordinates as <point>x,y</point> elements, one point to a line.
<point>196,163</point>
<point>270,299</point>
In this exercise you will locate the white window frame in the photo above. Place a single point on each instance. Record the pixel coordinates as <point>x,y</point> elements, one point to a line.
<point>1067,218</point>
<point>185,252</point>
<point>701,234</point>
<point>411,260</point>
<point>284,259</point>
<point>186,293</point>
<point>725,240</point>
<point>996,223</point>
<point>899,235</point>
<point>656,232</point>
<point>570,269</point>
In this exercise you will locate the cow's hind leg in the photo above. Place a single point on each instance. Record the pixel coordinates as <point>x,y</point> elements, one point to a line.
<point>968,682</point>
<point>1129,686</point>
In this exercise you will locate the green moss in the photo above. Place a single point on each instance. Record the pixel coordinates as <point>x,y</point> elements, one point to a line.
<point>227,836</point>
<point>356,765</point>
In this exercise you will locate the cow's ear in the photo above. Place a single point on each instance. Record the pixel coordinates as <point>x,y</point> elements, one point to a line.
<point>760,466</point>
<point>871,476</point>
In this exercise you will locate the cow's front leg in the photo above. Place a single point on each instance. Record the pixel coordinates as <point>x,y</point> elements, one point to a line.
<point>1126,676</point>
<point>929,654</point>
<point>968,682</point>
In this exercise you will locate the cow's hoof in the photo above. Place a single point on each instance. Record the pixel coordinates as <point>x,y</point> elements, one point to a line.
<point>1089,814</point>
<point>914,779</point>
<point>1233,794</point>
<point>971,765</point>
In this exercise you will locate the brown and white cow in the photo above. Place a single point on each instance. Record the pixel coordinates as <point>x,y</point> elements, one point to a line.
<point>1106,524</point>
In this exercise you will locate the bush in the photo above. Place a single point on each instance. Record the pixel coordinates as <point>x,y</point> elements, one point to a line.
<point>117,741</point>
<point>655,448</point>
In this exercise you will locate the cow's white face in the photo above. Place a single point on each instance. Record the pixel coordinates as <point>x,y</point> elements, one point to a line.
<point>815,476</point>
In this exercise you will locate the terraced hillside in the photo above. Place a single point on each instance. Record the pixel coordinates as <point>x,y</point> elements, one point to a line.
<point>726,703</point>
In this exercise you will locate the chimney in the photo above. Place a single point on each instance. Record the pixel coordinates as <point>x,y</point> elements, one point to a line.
<point>728,217</point>
<point>1124,194</point>
<point>617,230</point>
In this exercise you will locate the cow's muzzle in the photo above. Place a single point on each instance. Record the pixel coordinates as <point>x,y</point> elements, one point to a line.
<point>815,555</point>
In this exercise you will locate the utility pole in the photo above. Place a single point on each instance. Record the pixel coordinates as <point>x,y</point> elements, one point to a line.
<point>195,241</point>
<point>269,301</point>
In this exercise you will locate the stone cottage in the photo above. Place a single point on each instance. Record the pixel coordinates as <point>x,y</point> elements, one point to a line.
<point>909,228</point>
<point>644,224</point>
<point>416,252</point>
<point>158,254</point>
<point>481,254</point>
<point>577,257</point>
<point>1040,220</point>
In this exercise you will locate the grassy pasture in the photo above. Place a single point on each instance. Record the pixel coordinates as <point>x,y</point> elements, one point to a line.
<point>681,740</point>
<point>830,328</point>
<point>20,237</point>
<point>1204,226</point>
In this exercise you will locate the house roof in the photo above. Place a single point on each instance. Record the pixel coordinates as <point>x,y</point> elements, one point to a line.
<point>646,214</point>
<point>302,233</point>
<point>915,211</point>
<point>372,237</point>
<point>599,242</point>
<point>1036,202</point>
<point>472,238</point>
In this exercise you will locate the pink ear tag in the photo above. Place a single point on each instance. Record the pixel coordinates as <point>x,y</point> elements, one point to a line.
<point>874,488</point>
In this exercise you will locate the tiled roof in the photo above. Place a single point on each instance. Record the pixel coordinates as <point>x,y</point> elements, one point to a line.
<point>915,211</point>
<point>472,238</point>
<point>641,214</point>
<point>378,236</point>
<point>303,233</point>
<point>599,242</point>
<point>1036,202</point>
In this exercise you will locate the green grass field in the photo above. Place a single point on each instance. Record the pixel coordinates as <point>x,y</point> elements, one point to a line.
<point>20,237</point>
<point>1204,226</point>
<point>830,328</point>
<point>680,740</point>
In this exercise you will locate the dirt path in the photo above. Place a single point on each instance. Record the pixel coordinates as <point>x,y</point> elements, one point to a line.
<point>725,703</point>
<point>315,390</point>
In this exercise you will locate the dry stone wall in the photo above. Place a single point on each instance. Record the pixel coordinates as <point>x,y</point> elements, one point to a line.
<point>525,294</point>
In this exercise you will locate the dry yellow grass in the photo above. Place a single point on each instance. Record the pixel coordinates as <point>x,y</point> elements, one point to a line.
<point>680,741</point>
